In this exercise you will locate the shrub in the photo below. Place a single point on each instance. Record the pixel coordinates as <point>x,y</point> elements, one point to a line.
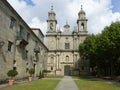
<point>41,74</point>
<point>12,73</point>
<point>31,71</point>
<point>46,71</point>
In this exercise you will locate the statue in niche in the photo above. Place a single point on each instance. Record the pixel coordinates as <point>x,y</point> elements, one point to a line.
<point>67,59</point>
<point>51,26</point>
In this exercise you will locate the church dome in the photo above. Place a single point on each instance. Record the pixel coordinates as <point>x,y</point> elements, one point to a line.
<point>81,11</point>
<point>51,12</point>
<point>67,25</point>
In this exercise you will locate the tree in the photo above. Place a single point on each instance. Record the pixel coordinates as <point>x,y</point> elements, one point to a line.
<point>103,50</point>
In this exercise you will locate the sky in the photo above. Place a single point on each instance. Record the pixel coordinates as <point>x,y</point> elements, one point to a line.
<point>100,13</point>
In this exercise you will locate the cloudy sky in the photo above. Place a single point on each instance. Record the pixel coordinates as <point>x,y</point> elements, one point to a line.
<point>99,13</point>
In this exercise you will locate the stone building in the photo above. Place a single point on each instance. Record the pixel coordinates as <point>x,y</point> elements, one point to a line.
<point>21,47</point>
<point>38,33</point>
<point>63,55</point>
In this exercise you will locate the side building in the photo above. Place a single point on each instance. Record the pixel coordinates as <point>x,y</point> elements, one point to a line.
<point>63,55</point>
<point>20,47</point>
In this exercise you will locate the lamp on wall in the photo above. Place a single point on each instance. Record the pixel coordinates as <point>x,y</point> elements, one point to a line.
<point>2,43</point>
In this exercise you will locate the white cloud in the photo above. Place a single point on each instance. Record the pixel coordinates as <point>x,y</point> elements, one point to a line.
<point>36,23</point>
<point>98,12</point>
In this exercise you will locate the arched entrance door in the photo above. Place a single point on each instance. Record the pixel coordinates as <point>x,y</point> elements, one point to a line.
<point>67,70</point>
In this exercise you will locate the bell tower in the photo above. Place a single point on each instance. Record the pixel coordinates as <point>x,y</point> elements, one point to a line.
<point>51,22</point>
<point>82,21</point>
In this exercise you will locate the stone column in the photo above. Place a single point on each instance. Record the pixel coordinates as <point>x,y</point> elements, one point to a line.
<point>73,43</point>
<point>73,60</point>
<point>58,38</point>
<point>58,61</point>
<point>76,43</point>
<point>76,60</point>
<point>56,43</point>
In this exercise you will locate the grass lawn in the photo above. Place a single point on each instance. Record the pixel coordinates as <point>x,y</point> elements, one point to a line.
<point>34,85</point>
<point>89,84</point>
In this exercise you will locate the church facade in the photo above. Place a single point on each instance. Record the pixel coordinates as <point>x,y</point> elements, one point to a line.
<point>63,55</point>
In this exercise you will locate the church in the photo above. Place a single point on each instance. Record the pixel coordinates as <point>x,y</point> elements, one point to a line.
<point>23,48</point>
<point>63,46</point>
